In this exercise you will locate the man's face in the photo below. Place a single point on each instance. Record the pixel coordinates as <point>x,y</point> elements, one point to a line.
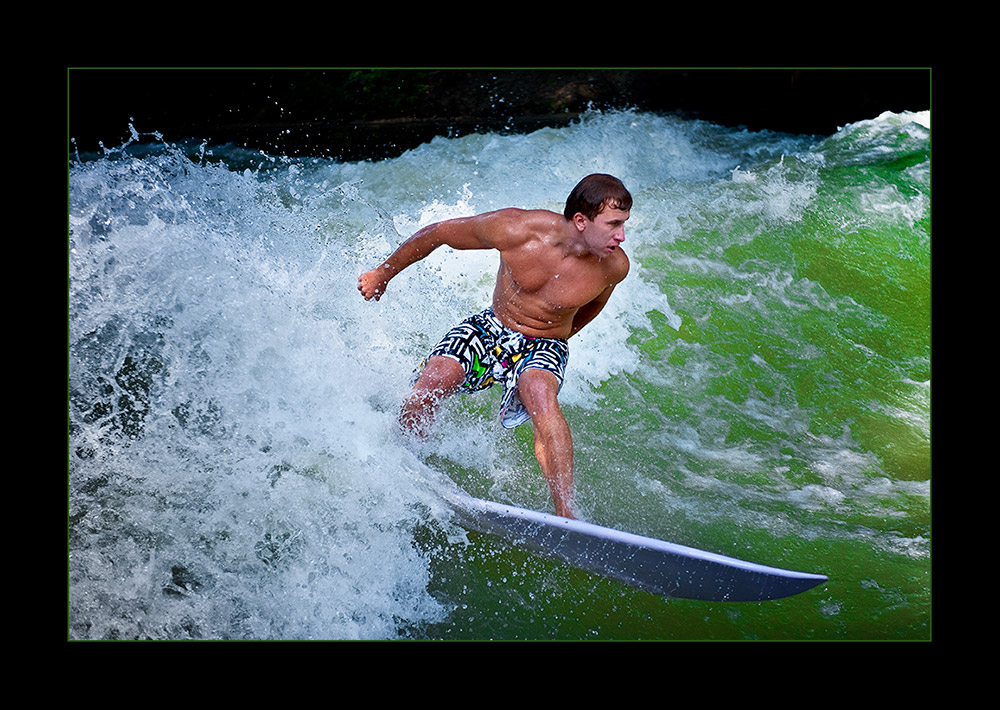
<point>606,233</point>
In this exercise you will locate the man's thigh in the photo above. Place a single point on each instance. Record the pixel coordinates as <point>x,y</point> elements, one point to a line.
<point>441,376</point>
<point>538,390</point>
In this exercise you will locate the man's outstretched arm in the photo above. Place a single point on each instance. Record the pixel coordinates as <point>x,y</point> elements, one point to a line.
<point>477,232</point>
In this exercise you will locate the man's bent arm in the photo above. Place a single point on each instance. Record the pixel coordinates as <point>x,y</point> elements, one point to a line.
<point>589,311</point>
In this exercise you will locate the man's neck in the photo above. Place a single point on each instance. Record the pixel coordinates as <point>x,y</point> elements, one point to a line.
<point>571,241</point>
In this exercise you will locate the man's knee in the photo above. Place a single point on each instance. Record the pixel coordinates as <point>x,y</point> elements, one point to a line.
<point>441,377</point>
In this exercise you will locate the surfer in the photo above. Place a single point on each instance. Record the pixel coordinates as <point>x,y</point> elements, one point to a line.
<point>556,274</point>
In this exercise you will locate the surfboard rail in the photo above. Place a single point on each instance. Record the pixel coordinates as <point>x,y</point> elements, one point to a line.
<point>653,565</point>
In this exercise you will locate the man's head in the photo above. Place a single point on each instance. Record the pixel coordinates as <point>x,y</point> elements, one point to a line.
<point>594,193</point>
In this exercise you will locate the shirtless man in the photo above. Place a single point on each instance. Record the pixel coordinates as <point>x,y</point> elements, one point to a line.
<point>556,274</point>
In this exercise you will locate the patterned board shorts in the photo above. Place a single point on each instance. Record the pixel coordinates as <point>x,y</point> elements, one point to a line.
<point>490,353</point>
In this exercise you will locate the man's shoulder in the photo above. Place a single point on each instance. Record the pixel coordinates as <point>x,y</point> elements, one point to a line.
<point>517,225</point>
<point>526,217</point>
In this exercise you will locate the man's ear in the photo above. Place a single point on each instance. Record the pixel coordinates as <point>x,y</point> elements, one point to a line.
<point>580,221</point>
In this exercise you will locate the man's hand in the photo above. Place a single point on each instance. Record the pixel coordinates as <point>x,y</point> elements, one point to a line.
<point>372,283</point>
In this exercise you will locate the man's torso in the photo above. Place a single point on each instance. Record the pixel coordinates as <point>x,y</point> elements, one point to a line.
<point>541,284</point>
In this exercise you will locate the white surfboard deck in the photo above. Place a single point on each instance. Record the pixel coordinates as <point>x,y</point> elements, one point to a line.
<point>656,566</point>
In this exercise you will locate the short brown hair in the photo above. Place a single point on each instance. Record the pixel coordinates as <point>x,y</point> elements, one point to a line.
<point>594,193</point>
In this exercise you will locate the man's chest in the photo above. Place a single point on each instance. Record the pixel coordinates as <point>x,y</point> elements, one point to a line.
<point>558,282</point>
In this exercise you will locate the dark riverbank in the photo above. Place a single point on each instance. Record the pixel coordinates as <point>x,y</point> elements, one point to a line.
<point>372,114</point>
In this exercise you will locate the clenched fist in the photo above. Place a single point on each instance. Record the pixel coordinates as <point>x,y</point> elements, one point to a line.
<point>372,283</point>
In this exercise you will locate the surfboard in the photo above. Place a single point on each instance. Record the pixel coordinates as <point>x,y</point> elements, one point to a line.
<point>655,566</point>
